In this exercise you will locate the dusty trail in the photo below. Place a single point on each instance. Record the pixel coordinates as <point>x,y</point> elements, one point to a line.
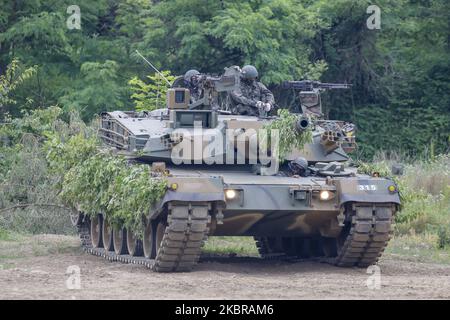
<point>44,277</point>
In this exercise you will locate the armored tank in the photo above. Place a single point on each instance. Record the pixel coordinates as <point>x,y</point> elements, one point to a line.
<point>311,204</point>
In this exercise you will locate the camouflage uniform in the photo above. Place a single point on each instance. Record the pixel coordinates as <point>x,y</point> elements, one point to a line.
<point>244,101</point>
<point>196,92</point>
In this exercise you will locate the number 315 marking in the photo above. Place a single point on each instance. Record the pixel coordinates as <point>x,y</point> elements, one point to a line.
<point>367,187</point>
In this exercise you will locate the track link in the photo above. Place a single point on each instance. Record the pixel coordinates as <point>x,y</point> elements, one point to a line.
<point>368,237</point>
<point>180,248</point>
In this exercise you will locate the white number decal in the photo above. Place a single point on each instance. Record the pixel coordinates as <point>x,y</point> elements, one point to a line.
<point>367,187</point>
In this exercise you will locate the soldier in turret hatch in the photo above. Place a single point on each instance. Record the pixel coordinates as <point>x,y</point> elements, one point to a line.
<point>191,83</point>
<point>252,98</point>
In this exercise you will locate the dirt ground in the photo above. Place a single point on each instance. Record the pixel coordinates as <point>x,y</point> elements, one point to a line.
<point>41,274</point>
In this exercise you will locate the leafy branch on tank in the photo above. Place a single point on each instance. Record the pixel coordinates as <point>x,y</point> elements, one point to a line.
<point>294,132</point>
<point>99,182</point>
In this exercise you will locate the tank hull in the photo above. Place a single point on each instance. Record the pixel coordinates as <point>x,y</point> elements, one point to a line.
<point>271,206</point>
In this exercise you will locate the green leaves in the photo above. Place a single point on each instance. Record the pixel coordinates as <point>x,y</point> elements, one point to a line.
<point>290,138</point>
<point>100,182</point>
<point>68,159</point>
<point>97,91</point>
<point>13,77</point>
<point>152,95</point>
<point>271,35</point>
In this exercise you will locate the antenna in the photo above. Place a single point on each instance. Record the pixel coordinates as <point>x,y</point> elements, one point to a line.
<point>154,68</point>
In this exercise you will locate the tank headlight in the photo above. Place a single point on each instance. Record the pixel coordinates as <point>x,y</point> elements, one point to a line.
<point>231,194</point>
<point>325,195</point>
<point>174,186</point>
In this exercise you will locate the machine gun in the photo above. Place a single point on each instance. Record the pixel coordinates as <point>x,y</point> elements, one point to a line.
<point>309,85</point>
<point>210,88</point>
<point>203,91</point>
<point>310,91</point>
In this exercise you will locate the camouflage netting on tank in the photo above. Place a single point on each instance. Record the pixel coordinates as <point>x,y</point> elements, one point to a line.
<point>99,182</point>
<point>290,138</point>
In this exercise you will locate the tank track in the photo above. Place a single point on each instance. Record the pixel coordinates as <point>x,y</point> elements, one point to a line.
<point>368,234</point>
<point>361,245</point>
<point>368,237</point>
<point>180,249</point>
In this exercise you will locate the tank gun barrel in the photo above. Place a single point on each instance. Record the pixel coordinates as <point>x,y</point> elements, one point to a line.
<point>303,124</point>
<point>309,85</point>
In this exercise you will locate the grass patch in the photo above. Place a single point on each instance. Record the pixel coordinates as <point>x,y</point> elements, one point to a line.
<point>241,246</point>
<point>425,196</point>
<point>9,236</point>
<point>418,248</point>
<point>17,246</point>
<point>7,266</point>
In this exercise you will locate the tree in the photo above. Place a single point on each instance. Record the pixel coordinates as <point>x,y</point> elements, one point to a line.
<point>13,77</point>
<point>96,91</point>
<point>150,96</point>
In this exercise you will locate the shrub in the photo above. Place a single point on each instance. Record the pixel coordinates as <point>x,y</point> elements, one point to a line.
<point>444,236</point>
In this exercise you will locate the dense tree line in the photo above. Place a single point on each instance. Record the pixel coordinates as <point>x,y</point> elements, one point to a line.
<point>400,97</point>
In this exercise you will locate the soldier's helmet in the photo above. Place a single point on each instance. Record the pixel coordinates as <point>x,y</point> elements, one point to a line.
<point>191,73</point>
<point>299,167</point>
<point>249,73</point>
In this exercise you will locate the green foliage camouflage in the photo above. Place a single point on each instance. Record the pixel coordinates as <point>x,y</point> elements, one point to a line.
<point>290,139</point>
<point>96,181</point>
<point>50,162</point>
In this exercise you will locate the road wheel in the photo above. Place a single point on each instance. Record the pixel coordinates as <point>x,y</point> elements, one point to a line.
<point>107,236</point>
<point>134,245</point>
<point>120,241</point>
<point>149,240</point>
<point>96,231</point>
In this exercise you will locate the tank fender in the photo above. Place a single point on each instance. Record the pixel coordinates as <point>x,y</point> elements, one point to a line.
<point>191,190</point>
<point>367,190</point>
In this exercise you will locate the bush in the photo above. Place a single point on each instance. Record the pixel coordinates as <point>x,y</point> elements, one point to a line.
<point>444,236</point>
<point>28,200</point>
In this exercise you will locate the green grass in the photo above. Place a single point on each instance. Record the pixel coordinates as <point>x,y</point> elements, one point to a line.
<point>418,248</point>
<point>10,236</point>
<point>14,246</point>
<point>241,246</point>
